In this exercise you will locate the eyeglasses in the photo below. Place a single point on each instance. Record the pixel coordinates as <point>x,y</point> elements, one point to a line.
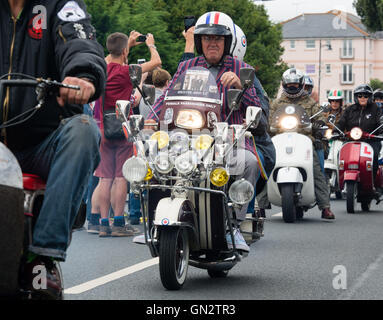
<point>363,95</point>
<point>212,38</point>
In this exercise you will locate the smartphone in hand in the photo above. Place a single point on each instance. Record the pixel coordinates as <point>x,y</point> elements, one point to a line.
<point>189,21</point>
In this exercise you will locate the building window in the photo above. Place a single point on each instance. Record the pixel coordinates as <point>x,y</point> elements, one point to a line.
<point>328,44</point>
<point>310,44</point>
<point>292,44</point>
<point>347,50</point>
<point>370,70</point>
<point>348,97</point>
<point>347,76</point>
<point>328,68</point>
<point>292,66</point>
<point>371,45</point>
<point>310,68</point>
<point>327,93</point>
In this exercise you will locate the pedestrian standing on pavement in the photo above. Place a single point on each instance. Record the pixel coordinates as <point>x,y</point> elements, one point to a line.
<point>112,188</point>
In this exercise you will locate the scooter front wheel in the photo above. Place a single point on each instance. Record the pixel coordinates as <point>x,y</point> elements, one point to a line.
<point>173,257</point>
<point>352,191</point>
<point>288,204</point>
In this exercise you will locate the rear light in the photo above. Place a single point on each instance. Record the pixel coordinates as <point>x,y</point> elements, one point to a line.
<point>341,165</point>
<point>369,165</point>
<point>353,166</point>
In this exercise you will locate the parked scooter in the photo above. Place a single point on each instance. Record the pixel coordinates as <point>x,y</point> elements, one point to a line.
<point>21,197</point>
<point>291,183</point>
<point>356,169</point>
<point>187,163</point>
<point>331,164</point>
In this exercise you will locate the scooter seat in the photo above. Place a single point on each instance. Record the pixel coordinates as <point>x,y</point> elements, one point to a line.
<point>33,182</point>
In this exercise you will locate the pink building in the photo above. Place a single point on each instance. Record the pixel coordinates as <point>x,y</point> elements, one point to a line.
<point>334,49</point>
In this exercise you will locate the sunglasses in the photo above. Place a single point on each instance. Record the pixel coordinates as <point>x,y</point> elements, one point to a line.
<point>361,95</point>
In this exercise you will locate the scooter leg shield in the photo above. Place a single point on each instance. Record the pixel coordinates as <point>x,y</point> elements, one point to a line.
<point>11,238</point>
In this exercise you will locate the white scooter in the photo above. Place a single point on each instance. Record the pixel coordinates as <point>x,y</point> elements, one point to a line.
<point>291,184</point>
<point>331,164</point>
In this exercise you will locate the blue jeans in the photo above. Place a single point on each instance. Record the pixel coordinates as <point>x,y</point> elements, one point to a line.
<point>134,206</point>
<point>66,160</point>
<point>320,154</point>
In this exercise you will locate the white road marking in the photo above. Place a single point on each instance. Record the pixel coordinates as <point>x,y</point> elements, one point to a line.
<point>364,276</point>
<point>111,277</point>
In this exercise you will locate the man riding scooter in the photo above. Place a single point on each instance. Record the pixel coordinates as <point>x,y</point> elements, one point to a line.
<point>213,41</point>
<point>366,115</point>
<point>294,93</point>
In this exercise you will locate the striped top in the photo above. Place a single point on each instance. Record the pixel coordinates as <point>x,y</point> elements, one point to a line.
<point>250,97</point>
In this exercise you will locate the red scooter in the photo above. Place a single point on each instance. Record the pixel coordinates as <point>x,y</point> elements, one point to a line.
<point>356,169</point>
<point>21,198</point>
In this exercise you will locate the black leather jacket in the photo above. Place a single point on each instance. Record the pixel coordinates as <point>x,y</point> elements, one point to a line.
<point>65,46</point>
<point>368,118</point>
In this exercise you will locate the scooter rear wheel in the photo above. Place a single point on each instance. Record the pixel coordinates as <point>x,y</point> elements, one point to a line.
<point>174,257</point>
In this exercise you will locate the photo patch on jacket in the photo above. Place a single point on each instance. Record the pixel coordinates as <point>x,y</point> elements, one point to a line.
<point>35,30</point>
<point>71,12</point>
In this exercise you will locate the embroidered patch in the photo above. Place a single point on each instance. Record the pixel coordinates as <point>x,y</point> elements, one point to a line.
<point>35,30</point>
<point>71,12</point>
<point>79,30</point>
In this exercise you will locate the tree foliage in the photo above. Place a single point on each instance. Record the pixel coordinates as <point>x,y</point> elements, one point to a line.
<point>376,84</point>
<point>371,13</point>
<point>164,19</point>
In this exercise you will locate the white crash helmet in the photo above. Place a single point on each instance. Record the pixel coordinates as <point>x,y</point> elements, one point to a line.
<point>215,23</point>
<point>241,44</point>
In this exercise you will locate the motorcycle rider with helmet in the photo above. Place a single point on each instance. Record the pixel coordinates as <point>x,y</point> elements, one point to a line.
<point>309,84</point>
<point>262,141</point>
<point>213,38</point>
<point>378,97</point>
<point>365,114</point>
<point>335,98</point>
<point>294,93</point>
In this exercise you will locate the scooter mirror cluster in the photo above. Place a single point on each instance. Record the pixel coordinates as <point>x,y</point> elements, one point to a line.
<point>247,75</point>
<point>232,97</point>
<point>135,72</point>
<point>150,93</point>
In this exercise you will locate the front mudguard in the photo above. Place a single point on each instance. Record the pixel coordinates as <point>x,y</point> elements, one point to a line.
<point>178,212</point>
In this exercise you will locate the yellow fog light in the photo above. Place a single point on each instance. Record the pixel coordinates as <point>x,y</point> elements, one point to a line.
<point>162,138</point>
<point>203,142</point>
<point>219,177</point>
<point>149,175</point>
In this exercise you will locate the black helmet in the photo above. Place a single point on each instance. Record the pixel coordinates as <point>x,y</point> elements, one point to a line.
<point>378,94</point>
<point>363,88</point>
<point>215,23</point>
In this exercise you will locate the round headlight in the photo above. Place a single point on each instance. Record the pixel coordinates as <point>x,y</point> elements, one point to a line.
<point>189,119</point>
<point>328,134</point>
<point>356,133</point>
<point>289,122</point>
<point>179,142</point>
<point>135,169</point>
<point>203,142</point>
<point>219,177</point>
<point>241,192</point>
<point>162,138</point>
<point>187,162</point>
<point>162,163</point>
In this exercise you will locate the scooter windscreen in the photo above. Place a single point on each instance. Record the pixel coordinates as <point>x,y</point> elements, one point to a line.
<point>193,101</point>
<point>290,118</point>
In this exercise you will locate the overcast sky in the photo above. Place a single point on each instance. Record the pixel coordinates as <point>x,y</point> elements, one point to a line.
<point>280,10</point>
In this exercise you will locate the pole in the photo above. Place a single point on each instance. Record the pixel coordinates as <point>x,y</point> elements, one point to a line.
<point>320,62</point>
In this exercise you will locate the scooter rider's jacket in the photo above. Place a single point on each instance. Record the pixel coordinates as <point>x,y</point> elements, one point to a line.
<point>50,39</point>
<point>365,118</point>
<point>305,101</point>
